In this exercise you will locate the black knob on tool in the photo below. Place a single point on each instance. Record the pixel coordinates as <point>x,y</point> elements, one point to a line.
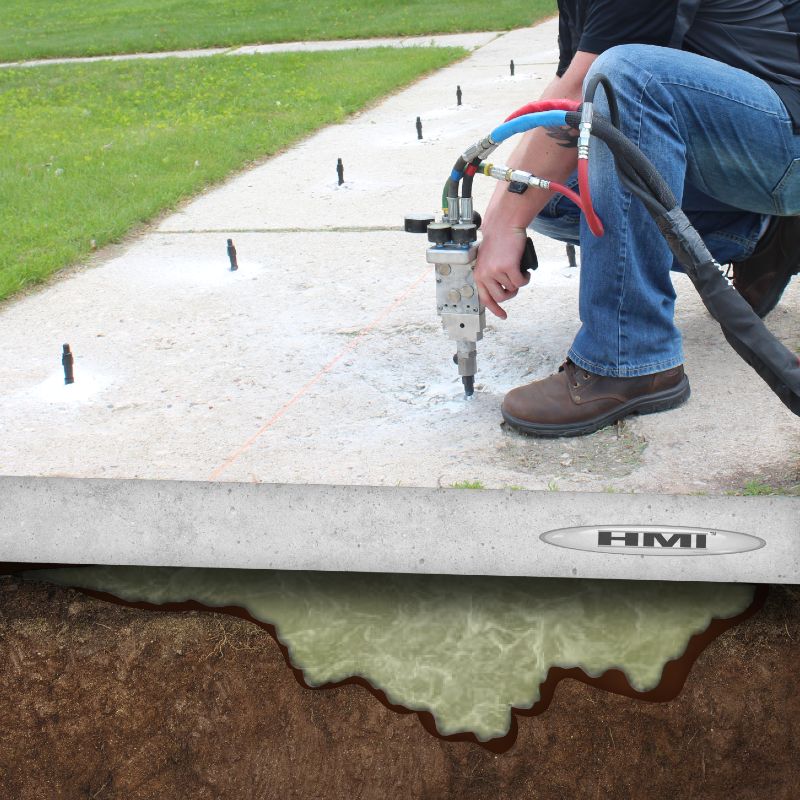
<point>465,234</point>
<point>440,233</point>
<point>418,223</point>
<point>529,260</point>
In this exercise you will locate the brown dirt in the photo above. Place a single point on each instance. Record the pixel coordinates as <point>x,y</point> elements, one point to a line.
<point>101,701</point>
<point>613,680</point>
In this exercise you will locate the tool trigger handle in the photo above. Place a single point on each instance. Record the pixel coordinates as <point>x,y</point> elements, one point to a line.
<point>529,260</point>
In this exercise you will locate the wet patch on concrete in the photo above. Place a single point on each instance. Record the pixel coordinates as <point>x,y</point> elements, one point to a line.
<point>608,455</point>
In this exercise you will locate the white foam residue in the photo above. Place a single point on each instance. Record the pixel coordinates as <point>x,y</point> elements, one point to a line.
<point>87,385</point>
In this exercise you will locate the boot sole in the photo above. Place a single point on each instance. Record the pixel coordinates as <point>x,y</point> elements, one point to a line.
<point>771,299</point>
<point>650,404</point>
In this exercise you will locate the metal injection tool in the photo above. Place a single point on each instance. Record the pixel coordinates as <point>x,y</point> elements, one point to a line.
<point>454,251</point>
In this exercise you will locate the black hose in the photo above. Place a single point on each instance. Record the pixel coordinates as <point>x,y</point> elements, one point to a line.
<point>626,152</point>
<point>636,186</point>
<point>452,184</point>
<point>743,328</point>
<point>466,185</point>
<point>628,177</point>
<point>627,174</point>
<point>778,366</point>
<point>466,181</point>
<point>591,89</point>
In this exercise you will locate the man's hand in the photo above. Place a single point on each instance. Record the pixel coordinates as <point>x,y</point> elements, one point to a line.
<point>497,272</point>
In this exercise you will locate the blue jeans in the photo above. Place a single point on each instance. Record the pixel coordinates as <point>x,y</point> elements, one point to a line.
<point>723,141</point>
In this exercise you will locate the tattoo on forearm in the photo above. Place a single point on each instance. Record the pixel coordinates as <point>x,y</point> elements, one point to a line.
<point>566,137</point>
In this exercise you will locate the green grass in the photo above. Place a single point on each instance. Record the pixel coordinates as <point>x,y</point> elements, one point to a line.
<point>758,488</point>
<point>88,151</point>
<point>468,485</point>
<point>786,486</point>
<point>47,28</point>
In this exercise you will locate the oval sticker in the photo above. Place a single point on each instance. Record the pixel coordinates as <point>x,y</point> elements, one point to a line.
<point>653,540</point>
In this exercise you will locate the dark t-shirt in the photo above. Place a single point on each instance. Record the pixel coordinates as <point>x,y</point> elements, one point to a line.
<point>760,36</point>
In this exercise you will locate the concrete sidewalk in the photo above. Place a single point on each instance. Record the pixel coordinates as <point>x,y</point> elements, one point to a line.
<point>321,360</point>
<point>469,41</point>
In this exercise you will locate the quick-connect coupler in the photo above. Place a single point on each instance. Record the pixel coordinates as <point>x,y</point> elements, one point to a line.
<point>585,130</point>
<point>482,149</point>
<point>501,172</point>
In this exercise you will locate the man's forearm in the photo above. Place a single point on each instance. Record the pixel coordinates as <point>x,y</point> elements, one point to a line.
<point>497,272</point>
<point>542,156</point>
<point>545,152</point>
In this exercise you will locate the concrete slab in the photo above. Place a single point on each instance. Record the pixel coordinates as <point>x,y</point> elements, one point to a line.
<point>321,360</point>
<point>43,62</point>
<point>391,530</point>
<point>372,145</point>
<point>469,41</point>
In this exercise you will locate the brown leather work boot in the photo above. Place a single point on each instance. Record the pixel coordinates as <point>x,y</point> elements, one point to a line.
<point>762,278</point>
<point>574,402</point>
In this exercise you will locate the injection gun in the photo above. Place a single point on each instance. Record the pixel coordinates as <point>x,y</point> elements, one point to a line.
<point>454,251</point>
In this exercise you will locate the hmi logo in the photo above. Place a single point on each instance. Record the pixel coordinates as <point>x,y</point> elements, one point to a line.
<point>653,540</point>
<point>628,538</point>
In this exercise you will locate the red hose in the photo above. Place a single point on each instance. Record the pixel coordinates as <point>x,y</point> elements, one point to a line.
<point>584,200</point>
<point>595,225</point>
<point>544,105</point>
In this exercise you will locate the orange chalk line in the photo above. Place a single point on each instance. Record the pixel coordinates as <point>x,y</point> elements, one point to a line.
<point>327,368</point>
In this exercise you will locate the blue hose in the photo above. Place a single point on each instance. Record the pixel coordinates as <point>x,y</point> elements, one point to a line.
<point>527,122</point>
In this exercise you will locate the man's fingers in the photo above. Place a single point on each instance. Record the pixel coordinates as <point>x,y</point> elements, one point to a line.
<point>497,273</point>
<point>501,294</point>
<point>489,303</point>
<point>517,279</point>
<point>495,309</point>
<point>492,293</point>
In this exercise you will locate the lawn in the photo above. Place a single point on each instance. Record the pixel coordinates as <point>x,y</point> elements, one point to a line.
<point>47,28</point>
<point>87,151</point>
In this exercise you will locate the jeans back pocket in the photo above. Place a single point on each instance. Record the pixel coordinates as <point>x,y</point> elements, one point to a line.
<point>786,195</point>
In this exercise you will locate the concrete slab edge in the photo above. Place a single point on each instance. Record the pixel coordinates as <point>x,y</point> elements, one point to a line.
<point>400,530</point>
